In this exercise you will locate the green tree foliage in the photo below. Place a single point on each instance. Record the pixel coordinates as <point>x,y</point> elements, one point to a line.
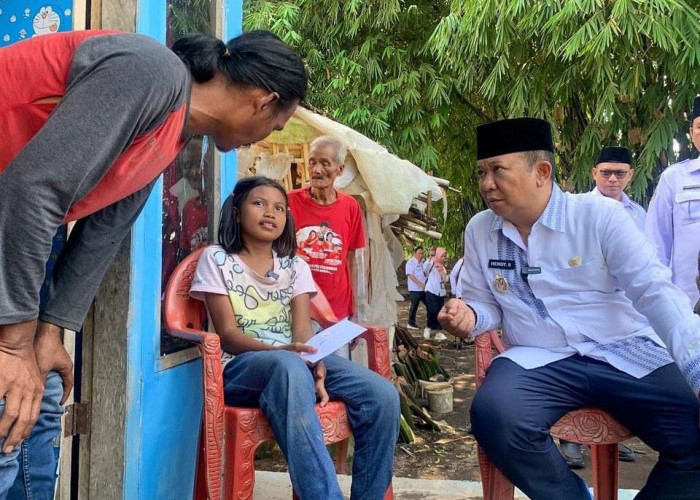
<point>188,16</point>
<point>418,76</point>
<point>605,72</point>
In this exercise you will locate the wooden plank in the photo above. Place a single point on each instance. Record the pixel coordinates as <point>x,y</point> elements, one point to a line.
<point>66,454</point>
<point>108,396</point>
<point>79,14</point>
<point>95,14</point>
<point>118,15</point>
<point>179,357</point>
<point>417,229</point>
<point>306,178</point>
<point>86,391</point>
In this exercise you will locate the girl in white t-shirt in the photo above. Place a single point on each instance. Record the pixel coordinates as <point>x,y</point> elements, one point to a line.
<point>258,295</point>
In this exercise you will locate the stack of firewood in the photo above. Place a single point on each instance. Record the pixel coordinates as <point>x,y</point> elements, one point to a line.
<point>412,227</point>
<point>414,362</point>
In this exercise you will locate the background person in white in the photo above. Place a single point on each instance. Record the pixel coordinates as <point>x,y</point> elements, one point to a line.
<point>435,291</point>
<point>581,298</point>
<point>673,220</point>
<point>455,282</point>
<point>415,279</point>
<point>612,173</point>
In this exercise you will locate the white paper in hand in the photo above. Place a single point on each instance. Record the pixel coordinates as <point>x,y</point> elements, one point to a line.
<point>331,339</point>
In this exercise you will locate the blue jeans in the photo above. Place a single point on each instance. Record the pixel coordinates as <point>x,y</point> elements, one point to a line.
<point>282,385</point>
<point>34,459</point>
<point>513,410</point>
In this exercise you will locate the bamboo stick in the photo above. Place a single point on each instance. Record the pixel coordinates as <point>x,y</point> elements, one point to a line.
<point>417,229</point>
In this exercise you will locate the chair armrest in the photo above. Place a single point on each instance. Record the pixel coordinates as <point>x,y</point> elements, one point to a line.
<point>378,350</point>
<point>190,334</point>
<point>483,344</point>
<point>496,341</point>
<point>213,405</point>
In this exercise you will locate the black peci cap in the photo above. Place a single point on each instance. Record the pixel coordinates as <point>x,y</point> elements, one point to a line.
<point>696,110</point>
<point>615,154</point>
<point>515,135</point>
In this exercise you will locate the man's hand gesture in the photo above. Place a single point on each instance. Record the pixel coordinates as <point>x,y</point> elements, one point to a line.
<point>457,318</point>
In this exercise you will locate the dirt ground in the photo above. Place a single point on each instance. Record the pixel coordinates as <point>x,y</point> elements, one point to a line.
<point>444,455</point>
<point>452,454</point>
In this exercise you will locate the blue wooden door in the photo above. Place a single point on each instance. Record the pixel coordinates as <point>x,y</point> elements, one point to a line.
<point>164,397</point>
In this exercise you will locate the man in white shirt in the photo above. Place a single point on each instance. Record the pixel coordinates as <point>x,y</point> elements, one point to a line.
<point>456,290</point>
<point>415,278</point>
<point>455,283</point>
<point>584,304</point>
<point>612,173</point>
<point>673,221</point>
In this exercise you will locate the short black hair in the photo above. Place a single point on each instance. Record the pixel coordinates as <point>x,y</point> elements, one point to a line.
<point>230,225</point>
<point>533,157</point>
<point>255,58</point>
<point>419,247</point>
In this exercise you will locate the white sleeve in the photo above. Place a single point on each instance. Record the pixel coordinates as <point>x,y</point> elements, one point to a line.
<point>410,267</point>
<point>304,281</point>
<point>207,276</point>
<point>633,261</point>
<point>658,226</point>
<point>454,276</point>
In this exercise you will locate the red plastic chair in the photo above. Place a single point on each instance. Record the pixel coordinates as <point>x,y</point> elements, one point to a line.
<point>229,435</point>
<point>590,426</point>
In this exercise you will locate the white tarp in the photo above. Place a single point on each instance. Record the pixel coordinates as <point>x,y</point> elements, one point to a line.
<point>386,184</point>
<point>392,183</point>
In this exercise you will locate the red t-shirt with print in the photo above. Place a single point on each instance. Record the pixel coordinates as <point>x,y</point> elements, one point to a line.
<point>325,234</point>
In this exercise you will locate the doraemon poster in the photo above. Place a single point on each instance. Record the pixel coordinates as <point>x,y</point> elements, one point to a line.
<point>20,19</point>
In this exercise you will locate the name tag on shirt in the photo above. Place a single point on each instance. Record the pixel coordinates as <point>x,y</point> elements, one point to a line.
<point>531,270</point>
<point>687,195</point>
<point>501,264</point>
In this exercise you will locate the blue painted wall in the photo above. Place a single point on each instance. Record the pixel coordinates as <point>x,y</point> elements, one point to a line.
<point>164,405</point>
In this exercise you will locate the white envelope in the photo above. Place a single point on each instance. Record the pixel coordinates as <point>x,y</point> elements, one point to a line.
<point>331,339</point>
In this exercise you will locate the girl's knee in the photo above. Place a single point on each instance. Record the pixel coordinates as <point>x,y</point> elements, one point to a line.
<point>289,365</point>
<point>391,396</point>
<point>386,400</point>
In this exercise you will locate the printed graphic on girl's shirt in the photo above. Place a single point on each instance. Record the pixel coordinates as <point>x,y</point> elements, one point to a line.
<point>262,310</point>
<point>320,247</point>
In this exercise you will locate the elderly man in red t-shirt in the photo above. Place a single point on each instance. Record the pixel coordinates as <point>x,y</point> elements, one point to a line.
<point>328,225</point>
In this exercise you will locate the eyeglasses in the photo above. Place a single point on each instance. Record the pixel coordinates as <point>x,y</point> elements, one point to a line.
<point>620,174</point>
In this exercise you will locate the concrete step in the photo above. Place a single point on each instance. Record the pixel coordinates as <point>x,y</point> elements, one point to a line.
<point>276,486</point>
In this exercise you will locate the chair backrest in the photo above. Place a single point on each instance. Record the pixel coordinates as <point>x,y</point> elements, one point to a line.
<point>321,310</point>
<point>182,311</point>
<point>179,309</point>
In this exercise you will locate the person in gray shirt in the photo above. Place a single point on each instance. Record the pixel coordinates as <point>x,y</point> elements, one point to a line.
<point>90,120</point>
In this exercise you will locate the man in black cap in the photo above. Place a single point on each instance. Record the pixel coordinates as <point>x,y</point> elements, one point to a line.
<point>584,305</point>
<point>612,173</point>
<point>673,221</point>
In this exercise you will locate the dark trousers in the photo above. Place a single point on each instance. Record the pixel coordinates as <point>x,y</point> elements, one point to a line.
<point>416,299</point>
<point>513,410</point>
<point>433,303</point>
